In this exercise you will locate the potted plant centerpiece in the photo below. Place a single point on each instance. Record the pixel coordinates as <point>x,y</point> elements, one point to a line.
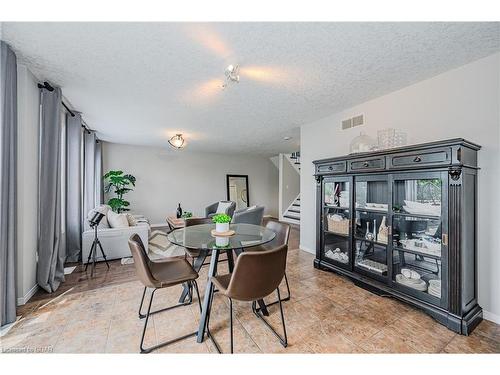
<point>221,222</point>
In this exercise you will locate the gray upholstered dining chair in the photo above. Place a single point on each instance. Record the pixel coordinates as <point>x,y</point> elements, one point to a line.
<point>256,275</point>
<point>213,208</point>
<point>157,275</point>
<point>251,215</point>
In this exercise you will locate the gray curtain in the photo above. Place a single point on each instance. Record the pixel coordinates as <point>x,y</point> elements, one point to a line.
<point>8,173</point>
<point>74,136</point>
<point>51,244</point>
<point>89,171</point>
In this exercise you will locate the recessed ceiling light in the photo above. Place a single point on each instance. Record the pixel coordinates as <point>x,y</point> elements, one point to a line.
<point>287,138</point>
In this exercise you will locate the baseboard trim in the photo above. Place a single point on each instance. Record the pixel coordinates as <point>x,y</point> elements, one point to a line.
<point>491,317</point>
<point>305,248</point>
<point>23,300</point>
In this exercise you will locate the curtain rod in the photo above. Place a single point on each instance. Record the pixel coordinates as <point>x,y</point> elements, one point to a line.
<point>48,87</point>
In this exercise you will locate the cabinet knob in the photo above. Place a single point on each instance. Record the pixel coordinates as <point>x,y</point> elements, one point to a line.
<point>330,168</point>
<point>366,164</point>
<point>417,159</point>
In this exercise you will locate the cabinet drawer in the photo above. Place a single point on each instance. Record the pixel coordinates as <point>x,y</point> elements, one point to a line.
<point>338,167</point>
<point>367,164</point>
<point>423,158</point>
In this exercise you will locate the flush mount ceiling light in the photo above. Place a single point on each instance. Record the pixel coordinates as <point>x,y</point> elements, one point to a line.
<point>176,141</point>
<point>232,75</point>
<point>287,138</point>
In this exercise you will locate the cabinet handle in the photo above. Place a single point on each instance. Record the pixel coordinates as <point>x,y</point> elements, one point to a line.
<point>330,168</point>
<point>417,159</point>
<point>444,239</point>
<point>366,164</point>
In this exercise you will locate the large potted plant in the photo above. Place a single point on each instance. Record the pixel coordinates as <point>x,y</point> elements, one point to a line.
<point>120,184</point>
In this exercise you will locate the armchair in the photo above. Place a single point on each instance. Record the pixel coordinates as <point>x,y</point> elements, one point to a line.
<point>213,208</point>
<point>251,215</point>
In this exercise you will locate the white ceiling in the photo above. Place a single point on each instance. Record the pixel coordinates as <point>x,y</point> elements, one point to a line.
<point>140,83</point>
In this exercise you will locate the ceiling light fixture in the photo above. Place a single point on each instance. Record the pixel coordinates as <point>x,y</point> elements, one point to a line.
<point>232,75</point>
<point>287,138</point>
<point>177,141</point>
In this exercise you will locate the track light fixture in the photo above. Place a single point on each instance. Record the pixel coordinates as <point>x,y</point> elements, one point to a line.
<point>232,75</point>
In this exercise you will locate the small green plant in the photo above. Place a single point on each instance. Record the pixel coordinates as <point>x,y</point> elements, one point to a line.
<point>120,183</point>
<point>187,215</point>
<point>221,218</point>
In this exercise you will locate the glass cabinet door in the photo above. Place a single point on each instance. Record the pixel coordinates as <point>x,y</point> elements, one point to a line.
<point>418,228</point>
<point>337,217</point>
<point>371,231</point>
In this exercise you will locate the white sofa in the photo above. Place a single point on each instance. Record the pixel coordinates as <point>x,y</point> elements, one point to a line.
<point>114,241</point>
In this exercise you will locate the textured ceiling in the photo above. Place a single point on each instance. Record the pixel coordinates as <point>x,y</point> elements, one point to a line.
<point>140,83</point>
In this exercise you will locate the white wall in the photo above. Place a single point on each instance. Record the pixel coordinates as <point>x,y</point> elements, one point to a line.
<point>463,102</point>
<point>27,182</point>
<point>195,180</point>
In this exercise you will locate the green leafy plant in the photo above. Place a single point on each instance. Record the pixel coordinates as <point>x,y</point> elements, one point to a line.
<point>120,184</point>
<point>221,218</point>
<point>187,215</point>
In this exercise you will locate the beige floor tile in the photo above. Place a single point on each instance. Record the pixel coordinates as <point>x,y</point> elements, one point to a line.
<point>327,313</point>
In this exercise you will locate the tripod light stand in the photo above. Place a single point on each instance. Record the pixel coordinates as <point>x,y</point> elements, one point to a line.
<point>94,222</point>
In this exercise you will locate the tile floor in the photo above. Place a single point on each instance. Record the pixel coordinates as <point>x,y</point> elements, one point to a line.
<point>327,314</point>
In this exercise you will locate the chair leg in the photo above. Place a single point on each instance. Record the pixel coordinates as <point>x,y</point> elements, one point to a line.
<point>150,349</point>
<point>285,344</point>
<point>231,323</point>
<point>142,316</point>
<point>283,340</point>
<point>287,298</point>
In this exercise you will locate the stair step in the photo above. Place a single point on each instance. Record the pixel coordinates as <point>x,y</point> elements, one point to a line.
<point>297,211</point>
<point>291,217</point>
<point>296,204</point>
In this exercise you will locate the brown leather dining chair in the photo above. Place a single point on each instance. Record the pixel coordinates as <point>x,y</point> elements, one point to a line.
<point>282,231</point>
<point>157,275</point>
<point>256,275</point>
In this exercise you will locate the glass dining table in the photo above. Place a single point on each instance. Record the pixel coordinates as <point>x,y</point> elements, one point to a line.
<point>200,239</point>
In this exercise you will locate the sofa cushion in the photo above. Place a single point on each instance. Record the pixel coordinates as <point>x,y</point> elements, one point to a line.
<point>117,220</point>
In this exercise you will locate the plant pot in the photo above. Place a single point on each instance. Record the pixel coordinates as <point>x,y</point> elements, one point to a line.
<point>221,241</point>
<point>222,227</point>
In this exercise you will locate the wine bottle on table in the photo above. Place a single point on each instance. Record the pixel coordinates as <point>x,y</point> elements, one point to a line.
<point>179,211</point>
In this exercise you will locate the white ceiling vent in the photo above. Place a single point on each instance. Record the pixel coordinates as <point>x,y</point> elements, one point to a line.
<point>357,120</point>
<point>346,124</point>
<point>352,122</point>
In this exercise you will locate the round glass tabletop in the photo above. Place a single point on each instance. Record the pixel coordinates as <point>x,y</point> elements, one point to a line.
<point>200,237</point>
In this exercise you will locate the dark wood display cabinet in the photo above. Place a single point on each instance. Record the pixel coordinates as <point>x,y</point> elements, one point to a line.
<point>403,222</point>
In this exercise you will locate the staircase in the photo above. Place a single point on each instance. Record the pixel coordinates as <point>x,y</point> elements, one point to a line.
<point>294,160</point>
<point>292,214</point>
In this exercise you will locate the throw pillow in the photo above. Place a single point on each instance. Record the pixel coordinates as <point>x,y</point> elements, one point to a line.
<point>222,207</point>
<point>117,220</point>
<point>132,221</point>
